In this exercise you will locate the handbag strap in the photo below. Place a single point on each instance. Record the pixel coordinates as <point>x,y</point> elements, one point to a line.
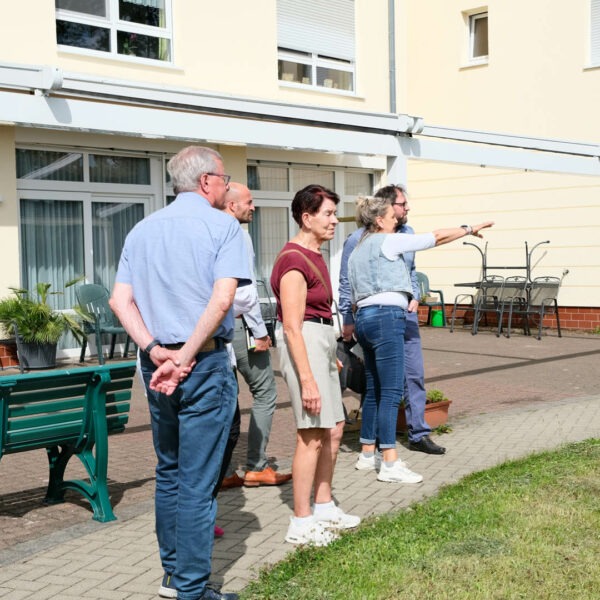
<point>312,266</point>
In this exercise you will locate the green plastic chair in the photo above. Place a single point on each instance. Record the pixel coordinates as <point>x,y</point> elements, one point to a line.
<point>93,299</point>
<point>425,290</point>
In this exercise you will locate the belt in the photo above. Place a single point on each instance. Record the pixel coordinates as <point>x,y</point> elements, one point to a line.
<point>321,320</point>
<point>211,344</point>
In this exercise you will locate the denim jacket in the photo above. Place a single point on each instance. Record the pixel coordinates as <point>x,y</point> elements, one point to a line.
<point>370,272</point>
<point>345,303</point>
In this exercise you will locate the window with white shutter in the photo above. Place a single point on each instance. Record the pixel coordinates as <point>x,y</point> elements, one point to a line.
<point>316,43</point>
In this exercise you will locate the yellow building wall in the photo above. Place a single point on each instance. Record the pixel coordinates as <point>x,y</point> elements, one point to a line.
<point>537,81</point>
<point>526,207</point>
<point>228,47</point>
<point>9,218</point>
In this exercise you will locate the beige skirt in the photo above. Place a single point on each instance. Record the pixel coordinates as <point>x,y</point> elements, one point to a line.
<point>321,344</point>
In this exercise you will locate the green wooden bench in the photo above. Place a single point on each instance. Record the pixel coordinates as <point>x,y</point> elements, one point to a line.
<point>68,412</point>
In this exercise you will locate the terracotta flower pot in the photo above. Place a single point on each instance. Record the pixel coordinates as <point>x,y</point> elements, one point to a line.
<point>436,414</point>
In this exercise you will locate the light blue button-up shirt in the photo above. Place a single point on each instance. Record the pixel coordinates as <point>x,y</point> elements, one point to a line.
<point>172,259</point>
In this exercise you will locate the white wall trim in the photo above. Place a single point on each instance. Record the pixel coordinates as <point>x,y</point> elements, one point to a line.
<point>76,102</point>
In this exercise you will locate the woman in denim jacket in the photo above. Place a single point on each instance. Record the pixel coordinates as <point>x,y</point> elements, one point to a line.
<point>381,291</point>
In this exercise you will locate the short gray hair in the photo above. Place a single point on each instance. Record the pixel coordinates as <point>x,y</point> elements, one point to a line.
<point>368,208</point>
<point>188,164</point>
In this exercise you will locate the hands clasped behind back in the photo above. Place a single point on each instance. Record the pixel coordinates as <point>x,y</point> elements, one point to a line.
<point>170,372</point>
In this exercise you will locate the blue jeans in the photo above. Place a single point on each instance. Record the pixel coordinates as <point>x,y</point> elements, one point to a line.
<point>380,332</point>
<point>189,431</point>
<point>414,374</point>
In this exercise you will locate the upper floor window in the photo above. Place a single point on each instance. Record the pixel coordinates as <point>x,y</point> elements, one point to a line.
<point>316,43</point>
<point>595,33</point>
<point>478,37</point>
<point>137,28</point>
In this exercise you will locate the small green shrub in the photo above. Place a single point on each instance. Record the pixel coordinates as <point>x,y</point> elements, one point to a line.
<point>434,395</point>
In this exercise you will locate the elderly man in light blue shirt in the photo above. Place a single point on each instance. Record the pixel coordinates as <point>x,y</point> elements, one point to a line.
<point>174,289</point>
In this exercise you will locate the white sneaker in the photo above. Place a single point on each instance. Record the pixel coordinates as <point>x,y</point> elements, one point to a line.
<point>313,533</point>
<point>398,472</point>
<point>336,518</point>
<point>368,464</point>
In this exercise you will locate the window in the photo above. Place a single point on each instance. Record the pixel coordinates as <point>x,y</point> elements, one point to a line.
<point>136,28</point>
<point>478,37</point>
<point>274,185</point>
<point>303,177</point>
<point>595,33</point>
<point>50,166</point>
<point>269,230</point>
<point>267,177</point>
<point>358,183</point>
<point>316,43</point>
<point>119,169</point>
<point>76,209</point>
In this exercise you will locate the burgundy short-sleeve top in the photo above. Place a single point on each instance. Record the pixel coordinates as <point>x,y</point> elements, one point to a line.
<point>318,299</point>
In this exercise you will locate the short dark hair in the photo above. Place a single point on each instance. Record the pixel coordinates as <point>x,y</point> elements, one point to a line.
<point>309,200</point>
<point>389,192</point>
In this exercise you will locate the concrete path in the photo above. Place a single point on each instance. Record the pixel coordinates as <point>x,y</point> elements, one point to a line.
<point>503,419</point>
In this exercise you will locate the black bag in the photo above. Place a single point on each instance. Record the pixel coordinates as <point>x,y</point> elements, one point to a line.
<point>352,373</point>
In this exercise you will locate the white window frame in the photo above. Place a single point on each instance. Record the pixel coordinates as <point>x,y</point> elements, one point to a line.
<point>114,24</point>
<point>472,18</point>
<point>314,60</point>
<point>331,250</point>
<point>86,199</point>
<point>151,195</point>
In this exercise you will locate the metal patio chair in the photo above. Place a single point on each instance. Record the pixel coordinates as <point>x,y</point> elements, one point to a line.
<point>93,299</point>
<point>543,296</point>
<point>514,303</point>
<point>489,299</point>
<point>465,302</point>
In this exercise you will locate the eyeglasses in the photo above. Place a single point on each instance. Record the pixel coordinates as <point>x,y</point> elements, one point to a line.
<point>226,178</point>
<point>401,204</point>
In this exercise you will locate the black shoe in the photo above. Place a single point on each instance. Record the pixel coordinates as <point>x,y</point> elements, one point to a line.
<point>211,594</point>
<point>425,444</point>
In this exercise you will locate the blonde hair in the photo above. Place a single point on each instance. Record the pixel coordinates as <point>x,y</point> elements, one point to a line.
<point>368,208</point>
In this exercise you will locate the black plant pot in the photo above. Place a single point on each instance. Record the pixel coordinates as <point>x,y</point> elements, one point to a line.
<point>36,356</point>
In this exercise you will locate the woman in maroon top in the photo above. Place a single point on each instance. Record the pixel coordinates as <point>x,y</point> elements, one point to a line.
<point>306,342</point>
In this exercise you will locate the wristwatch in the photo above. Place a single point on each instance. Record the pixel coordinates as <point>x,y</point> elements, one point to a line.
<point>151,345</point>
<point>468,229</point>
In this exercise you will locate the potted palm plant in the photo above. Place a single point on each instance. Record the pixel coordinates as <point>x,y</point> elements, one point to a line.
<point>36,326</point>
<point>436,410</point>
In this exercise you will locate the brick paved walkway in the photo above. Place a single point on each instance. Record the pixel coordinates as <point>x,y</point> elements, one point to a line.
<point>510,397</point>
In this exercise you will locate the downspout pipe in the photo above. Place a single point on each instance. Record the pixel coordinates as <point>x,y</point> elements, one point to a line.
<point>392,52</point>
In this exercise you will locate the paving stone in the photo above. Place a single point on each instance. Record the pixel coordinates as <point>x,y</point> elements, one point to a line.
<point>510,398</point>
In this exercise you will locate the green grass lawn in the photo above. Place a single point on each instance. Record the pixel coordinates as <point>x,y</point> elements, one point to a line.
<point>524,529</point>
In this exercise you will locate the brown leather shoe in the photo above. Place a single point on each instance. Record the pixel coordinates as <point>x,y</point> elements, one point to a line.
<point>267,476</point>
<point>232,481</point>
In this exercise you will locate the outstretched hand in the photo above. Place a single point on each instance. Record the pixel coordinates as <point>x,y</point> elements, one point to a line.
<point>478,228</point>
